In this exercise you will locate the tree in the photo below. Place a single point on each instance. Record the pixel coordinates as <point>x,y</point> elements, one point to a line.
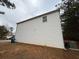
<point>8,4</point>
<point>3,32</point>
<point>11,31</point>
<point>71,19</point>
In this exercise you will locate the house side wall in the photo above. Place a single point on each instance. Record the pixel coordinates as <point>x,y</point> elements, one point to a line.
<point>41,33</point>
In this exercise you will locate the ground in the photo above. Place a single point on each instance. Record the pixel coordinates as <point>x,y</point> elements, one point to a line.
<point>27,51</point>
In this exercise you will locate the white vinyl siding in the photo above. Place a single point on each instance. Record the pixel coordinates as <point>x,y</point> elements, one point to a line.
<point>41,33</point>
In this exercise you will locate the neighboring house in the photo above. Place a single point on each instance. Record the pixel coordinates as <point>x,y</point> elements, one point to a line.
<point>43,30</point>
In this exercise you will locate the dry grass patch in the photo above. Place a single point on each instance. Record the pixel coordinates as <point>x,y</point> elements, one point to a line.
<point>27,51</point>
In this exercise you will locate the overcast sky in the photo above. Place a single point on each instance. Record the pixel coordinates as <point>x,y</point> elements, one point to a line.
<point>26,9</point>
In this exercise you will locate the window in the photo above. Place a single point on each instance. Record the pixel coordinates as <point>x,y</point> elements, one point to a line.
<point>44,18</point>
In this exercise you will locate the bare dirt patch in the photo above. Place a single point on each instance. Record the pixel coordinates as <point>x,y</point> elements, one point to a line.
<point>26,51</point>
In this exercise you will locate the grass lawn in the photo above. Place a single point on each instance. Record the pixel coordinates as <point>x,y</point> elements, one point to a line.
<point>27,51</point>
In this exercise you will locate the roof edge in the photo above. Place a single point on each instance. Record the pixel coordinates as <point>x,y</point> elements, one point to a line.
<point>39,16</point>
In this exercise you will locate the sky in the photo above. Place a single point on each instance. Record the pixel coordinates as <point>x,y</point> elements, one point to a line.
<point>25,9</point>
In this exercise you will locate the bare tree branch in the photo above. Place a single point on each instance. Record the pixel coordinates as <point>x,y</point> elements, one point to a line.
<point>8,4</point>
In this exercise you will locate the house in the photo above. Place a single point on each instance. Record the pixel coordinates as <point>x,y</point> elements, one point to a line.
<point>42,30</point>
